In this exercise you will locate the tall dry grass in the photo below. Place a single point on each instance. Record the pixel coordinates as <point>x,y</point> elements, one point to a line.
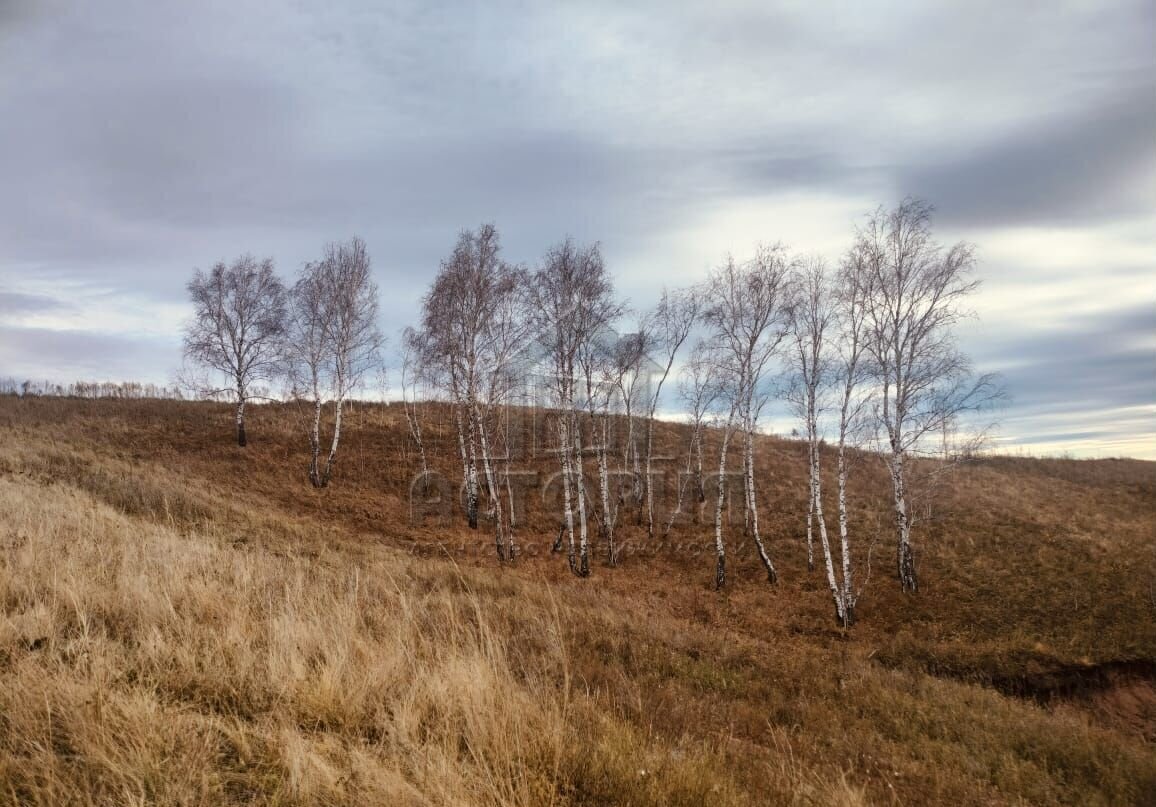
<point>146,665</point>
<point>182,622</point>
<point>142,666</point>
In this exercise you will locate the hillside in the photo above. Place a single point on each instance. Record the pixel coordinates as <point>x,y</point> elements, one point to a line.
<point>188,622</point>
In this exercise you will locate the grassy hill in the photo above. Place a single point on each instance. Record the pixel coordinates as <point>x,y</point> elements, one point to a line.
<point>187,622</point>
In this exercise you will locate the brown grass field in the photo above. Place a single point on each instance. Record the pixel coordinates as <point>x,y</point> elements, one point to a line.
<point>187,622</point>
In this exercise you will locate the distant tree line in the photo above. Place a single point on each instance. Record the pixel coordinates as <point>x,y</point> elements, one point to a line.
<point>91,389</point>
<point>863,352</point>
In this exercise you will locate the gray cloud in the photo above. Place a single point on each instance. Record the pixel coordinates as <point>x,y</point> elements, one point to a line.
<point>1065,383</point>
<point>1097,165</point>
<point>16,303</point>
<point>11,11</point>
<point>62,356</point>
<point>142,138</point>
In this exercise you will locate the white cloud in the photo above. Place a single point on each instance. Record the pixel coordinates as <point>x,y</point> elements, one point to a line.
<point>97,308</point>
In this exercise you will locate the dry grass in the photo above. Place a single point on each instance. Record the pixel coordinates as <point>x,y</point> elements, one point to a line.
<point>187,623</point>
<point>142,665</point>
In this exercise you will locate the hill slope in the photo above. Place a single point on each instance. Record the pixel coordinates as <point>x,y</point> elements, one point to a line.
<point>189,622</point>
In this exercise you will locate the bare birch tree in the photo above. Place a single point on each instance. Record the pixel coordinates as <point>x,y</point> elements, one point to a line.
<point>610,366</point>
<point>698,389</point>
<point>851,372</point>
<point>572,303</point>
<point>811,318</point>
<point>411,372</point>
<point>826,331</point>
<point>505,332</point>
<point>916,288</point>
<point>237,327</point>
<point>333,340</point>
<point>472,323</point>
<point>597,366</point>
<point>308,350</point>
<point>630,360</point>
<point>669,326</point>
<point>745,310</point>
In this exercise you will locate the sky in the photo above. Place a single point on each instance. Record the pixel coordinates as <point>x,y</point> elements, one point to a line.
<point>140,139</point>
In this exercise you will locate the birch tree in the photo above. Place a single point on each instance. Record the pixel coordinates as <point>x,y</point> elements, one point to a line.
<point>606,362</point>
<point>471,325</point>
<point>915,292</point>
<point>630,356</point>
<point>826,332</point>
<point>811,318</point>
<point>308,350</point>
<point>333,340</point>
<point>669,326</point>
<point>572,301</point>
<point>237,326</point>
<point>411,371</point>
<point>505,332</point>
<point>698,389</point>
<point>745,310</point>
<point>851,373</point>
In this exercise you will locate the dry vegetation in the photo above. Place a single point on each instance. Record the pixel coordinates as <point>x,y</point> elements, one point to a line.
<point>188,622</point>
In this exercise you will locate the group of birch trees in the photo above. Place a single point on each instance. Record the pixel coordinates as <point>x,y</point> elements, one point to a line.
<point>862,352</point>
<point>319,337</point>
<point>488,326</point>
<point>872,351</point>
<point>473,322</point>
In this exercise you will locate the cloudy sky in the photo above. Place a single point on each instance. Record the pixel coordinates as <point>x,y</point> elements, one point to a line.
<point>142,138</point>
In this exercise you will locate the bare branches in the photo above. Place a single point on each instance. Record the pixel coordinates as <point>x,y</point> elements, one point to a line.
<point>812,317</point>
<point>237,325</point>
<point>410,373</point>
<point>332,339</point>
<point>473,325</point>
<point>699,390</point>
<point>572,304</point>
<point>353,306</point>
<point>670,324</point>
<point>745,308</point>
<point>914,293</point>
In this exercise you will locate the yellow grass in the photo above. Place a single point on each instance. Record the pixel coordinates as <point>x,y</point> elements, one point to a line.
<point>164,640</point>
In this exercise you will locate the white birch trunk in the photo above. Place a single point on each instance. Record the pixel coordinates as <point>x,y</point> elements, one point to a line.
<point>315,443</point>
<point>700,487</point>
<point>905,559</point>
<point>824,542</point>
<point>752,506</point>
<point>241,440</point>
<point>676,511</point>
<point>719,546</point>
<point>649,485</point>
<point>491,484</point>
<point>844,540</point>
<point>746,493</point>
<point>332,458</point>
<point>583,568</point>
<point>608,517</point>
<point>567,483</point>
<point>471,469</point>
<point>415,432</point>
<point>511,543</point>
<point>813,482</point>
<point>636,470</point>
